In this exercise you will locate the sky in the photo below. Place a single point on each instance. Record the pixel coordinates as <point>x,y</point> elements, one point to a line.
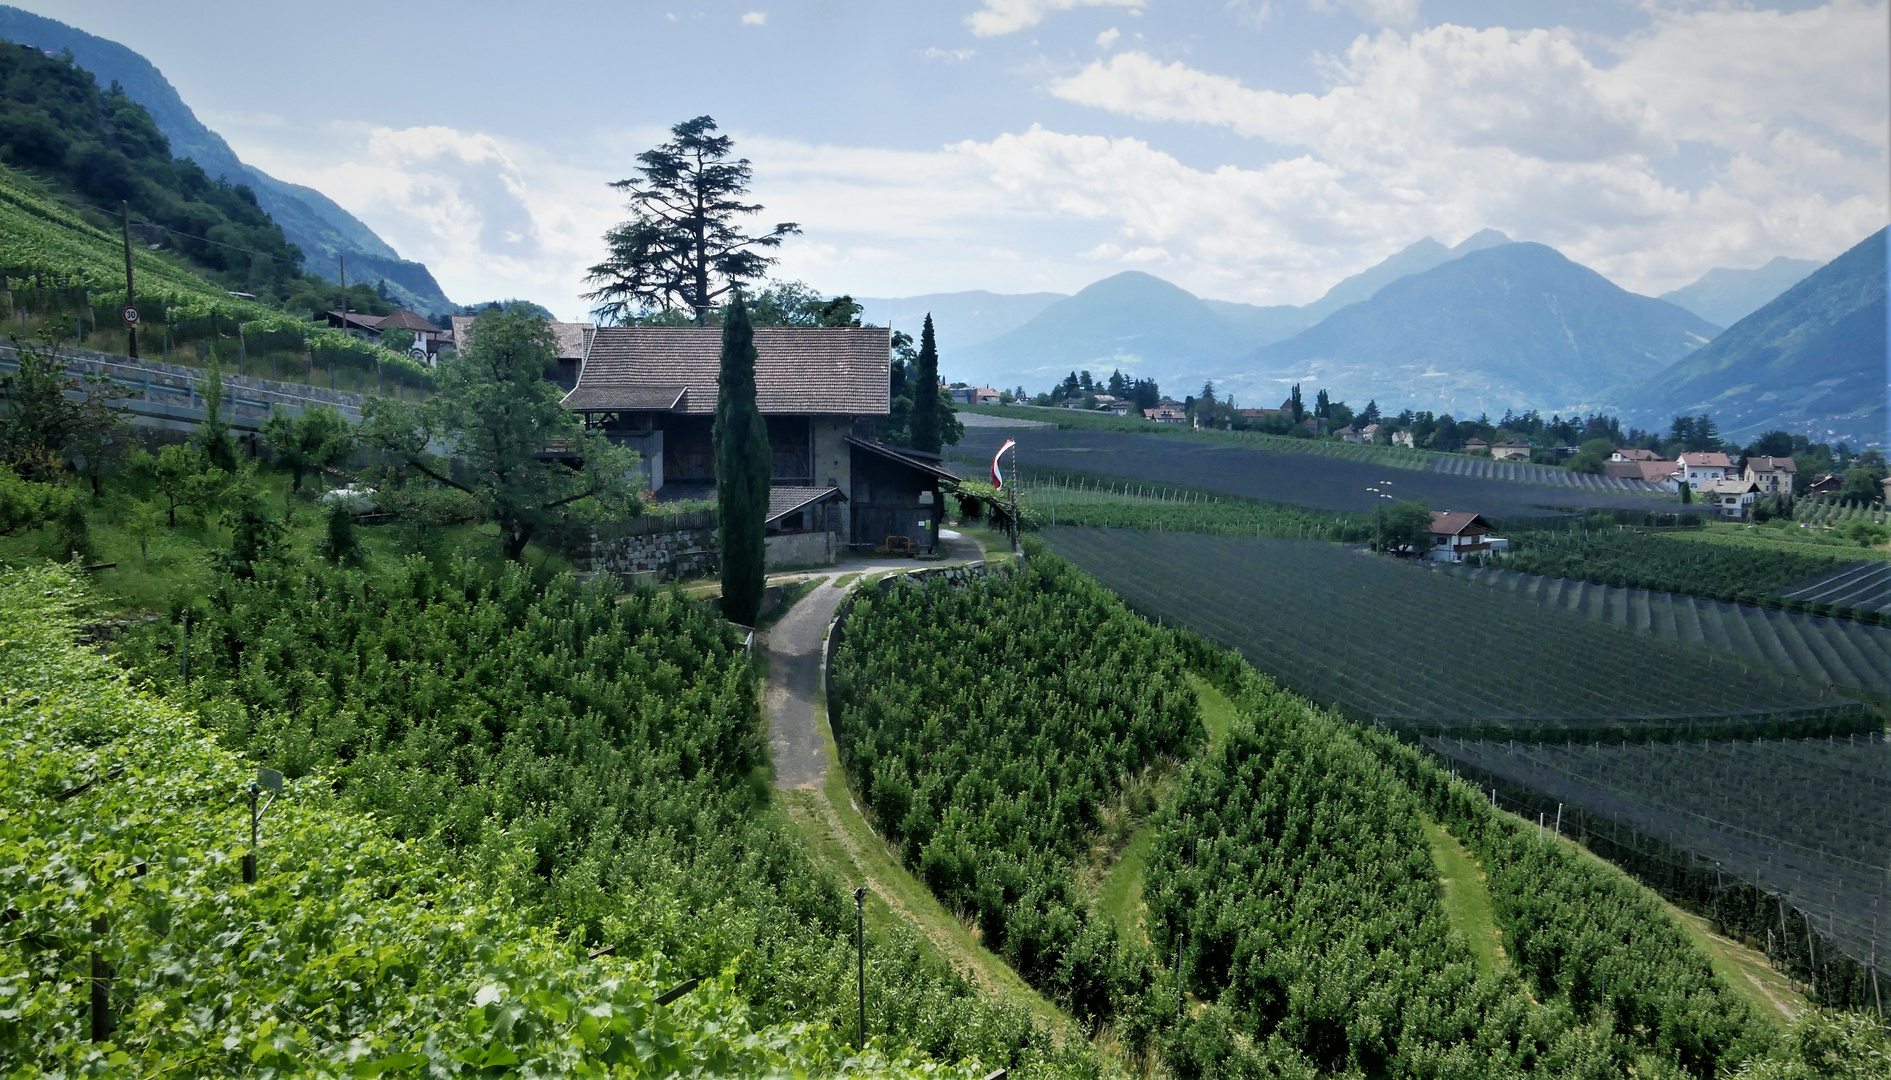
<point>1249,150</point>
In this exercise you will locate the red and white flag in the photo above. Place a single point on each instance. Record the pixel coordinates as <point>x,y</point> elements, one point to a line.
<point>997,477</point>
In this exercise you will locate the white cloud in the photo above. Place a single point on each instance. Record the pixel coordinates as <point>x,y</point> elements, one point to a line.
<point>1254,14</point>
<point>1108,37</point>
<point>1005,16</point>
<point>1377,12</point>
<point>950,56</point>
<point>1776,120</point>
<point>755,18</point>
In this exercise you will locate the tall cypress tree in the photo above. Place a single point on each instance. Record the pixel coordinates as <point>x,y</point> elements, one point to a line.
<point>743,464</point>
<point>928,431</point>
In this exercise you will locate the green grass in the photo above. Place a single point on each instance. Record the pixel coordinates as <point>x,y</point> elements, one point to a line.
<point>1120,896</point>
<point>1466,900</point>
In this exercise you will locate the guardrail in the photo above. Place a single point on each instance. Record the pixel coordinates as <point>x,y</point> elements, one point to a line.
<point>170,396</point>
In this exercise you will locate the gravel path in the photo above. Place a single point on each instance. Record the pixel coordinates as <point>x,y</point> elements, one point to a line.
<point>794,666</point>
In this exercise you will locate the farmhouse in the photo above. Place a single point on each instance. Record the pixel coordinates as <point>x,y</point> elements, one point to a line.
<point>1826,484</point>
<point>1355,434</point>
<point>1402,438</point>
<point>1457,533</point>
<point>1634,453</point>
<point>1475,445</point>
<point>653,389</point>
<point>1772,475</point>
<point>428,338</point>
<point>1511,450</point>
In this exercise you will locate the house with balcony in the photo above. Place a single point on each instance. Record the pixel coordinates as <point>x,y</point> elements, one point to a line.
<point>1457,533</point>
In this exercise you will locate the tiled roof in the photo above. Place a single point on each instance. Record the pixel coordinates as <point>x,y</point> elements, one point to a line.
<point>407,320</point>
<point>1456,522</point>
<point>1636,453</point>
<point>585,398</point>
<point>358,318</point>
<point>569,339</point>
<point>1709,460</point>
<point>1656,471</point>
<point>783,501</point>
<point>1772,464</point>
<point>836,371</point>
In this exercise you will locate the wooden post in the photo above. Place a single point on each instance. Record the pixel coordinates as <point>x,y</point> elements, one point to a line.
<point>131,292</point>
<point>101,985</point>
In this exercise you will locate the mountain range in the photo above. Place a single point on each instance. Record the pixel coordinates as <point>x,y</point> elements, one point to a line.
<point>1515,326</point>
<point>1487,325</point>
<point>1812,361</point>
<point>309,219</point>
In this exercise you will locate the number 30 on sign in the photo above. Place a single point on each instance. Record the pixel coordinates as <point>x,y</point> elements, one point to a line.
<point>131,316</point>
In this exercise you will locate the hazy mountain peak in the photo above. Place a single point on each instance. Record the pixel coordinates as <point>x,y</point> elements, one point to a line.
<point>1478,241</point>
<point>1726,296</point>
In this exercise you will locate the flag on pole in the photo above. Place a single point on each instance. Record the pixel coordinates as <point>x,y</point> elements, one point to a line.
<point>997,477</point>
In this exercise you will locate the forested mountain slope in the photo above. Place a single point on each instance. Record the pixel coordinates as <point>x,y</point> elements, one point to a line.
<point>1811,361</point>
<point>310,220</point>
<point>1514,326</point>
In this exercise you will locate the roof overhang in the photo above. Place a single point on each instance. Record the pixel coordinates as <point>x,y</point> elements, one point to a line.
<point>901,457</point>
<point>783,501</point>
<point>596,399</point>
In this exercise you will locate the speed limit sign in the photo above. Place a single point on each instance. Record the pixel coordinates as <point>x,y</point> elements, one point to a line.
<point>131,316</point>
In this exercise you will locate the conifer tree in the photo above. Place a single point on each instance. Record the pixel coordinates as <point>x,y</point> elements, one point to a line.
<point>743,464</point>
<point>928,429</point>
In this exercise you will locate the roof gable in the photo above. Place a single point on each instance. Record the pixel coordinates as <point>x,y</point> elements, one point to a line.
<point>1457,523</point>
<point>798,370</point>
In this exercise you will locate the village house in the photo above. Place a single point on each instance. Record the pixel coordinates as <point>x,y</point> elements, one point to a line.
<point>1402,438</point>
<point>820,390</point>
<point>428,338</point>
<point>1731,499</point>
<point>1475,445</point>
<point>1457,533</point>
<point>1166,413</point>
<point>1825,484</point>
<point>1511,450</point>
<point>1772,475</point>
<point>1634,453</point>
<point>1648,470</point>
<point>1364,435</point>
<point>1697,468</point>
<point>975,395</point>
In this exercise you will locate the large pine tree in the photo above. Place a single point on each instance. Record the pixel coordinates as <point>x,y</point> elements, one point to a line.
<point>743,465</point>
<point>928,425</point>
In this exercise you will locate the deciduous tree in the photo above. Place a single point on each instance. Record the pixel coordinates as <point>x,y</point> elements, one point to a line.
<point>528,462</point>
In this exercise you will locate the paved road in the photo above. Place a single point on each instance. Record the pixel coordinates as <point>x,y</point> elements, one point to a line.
<point>794,667</point>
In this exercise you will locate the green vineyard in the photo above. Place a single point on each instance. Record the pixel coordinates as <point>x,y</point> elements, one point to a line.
<point>1837,652</point>
<point>1431,653</point>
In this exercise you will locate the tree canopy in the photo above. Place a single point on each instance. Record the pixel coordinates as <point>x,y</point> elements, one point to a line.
<point>528,463</point>
<point>682,248</point>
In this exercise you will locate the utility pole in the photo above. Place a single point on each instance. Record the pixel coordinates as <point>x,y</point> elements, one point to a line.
<point>343,260</point>
<point>131,291</point>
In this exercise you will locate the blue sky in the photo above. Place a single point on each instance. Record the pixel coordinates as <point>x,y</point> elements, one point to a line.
<point>1252,150</point>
